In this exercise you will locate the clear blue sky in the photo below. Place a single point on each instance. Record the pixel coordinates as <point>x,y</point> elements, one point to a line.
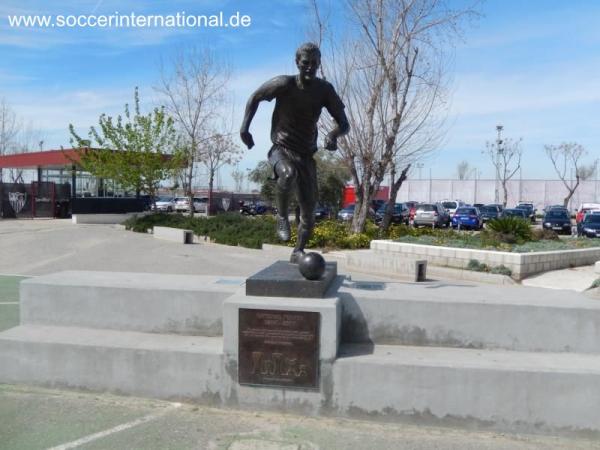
<point>532,66</point>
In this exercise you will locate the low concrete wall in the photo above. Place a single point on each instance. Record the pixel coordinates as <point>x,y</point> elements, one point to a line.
<point>79,219</point>
<point>174,234</point>
<point>522,265</point>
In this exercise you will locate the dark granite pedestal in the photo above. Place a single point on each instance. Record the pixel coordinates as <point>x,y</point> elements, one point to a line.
<point>283,279</point>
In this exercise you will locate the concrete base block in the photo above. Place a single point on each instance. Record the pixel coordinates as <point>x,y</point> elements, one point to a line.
<point>527,359</point>
<point>146,302</point>
<point>435,314</point>
<point>597,267</point>
<point>174,234</point>
<point>516,391</point>
<point>154,365</point>
<point>283,279</point>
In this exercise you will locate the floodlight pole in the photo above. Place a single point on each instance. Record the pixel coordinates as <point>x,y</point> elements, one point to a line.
<point>499,128</point>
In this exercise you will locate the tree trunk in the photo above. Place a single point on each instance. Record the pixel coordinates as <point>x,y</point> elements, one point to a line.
<point>505,193</point>
<point>211,179</point>
<point>396,184</point>
<point>190,193</point>
<point>360,212</point>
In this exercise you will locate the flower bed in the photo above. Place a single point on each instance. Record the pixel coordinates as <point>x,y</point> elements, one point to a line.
<point>521,264</point>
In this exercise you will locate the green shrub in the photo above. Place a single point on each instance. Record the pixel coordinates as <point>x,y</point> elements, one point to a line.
<point>228,229</point>
<point>502,270</point>
<point>331,234</point>
<point>544,234</point>
<point>477,266</point>
<point>510,229</point>
<point>595,284</point>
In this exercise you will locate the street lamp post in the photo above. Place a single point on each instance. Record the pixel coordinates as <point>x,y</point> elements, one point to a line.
<point>596,180</point>
<point>499,152</point>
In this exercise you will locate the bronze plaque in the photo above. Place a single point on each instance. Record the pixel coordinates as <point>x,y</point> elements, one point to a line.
<point>279,348</point>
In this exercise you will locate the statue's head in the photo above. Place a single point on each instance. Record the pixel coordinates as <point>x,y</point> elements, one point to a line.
<point>308,60</point>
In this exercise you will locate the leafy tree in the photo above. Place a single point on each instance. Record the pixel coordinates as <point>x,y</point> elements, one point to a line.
<point>332,176</point>
<point>134,150</point>
<point>262,175</point>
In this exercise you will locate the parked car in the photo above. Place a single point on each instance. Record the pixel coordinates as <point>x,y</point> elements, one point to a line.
<point>489,212</point>
<point>452,205</point>
<point>166,204</point>
<point>322,213</point>
<point>528,208</point>
<point>557,220</point>
<point>432,214</point>
<point>589,226</point>
<point>584,208</point>
<point>500,206</point>
<point>412,209</point>
<point>467,217</point>
<point>378,203</point>
<point>346,213</point>
<point>253,208</point>
<point>515,212</point>
<point>550,207</point>
<point>183,204</point>
<point>400,214</point>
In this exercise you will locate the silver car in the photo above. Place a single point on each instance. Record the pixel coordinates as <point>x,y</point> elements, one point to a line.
<point>166,204</point>
<point>431,214</point>
<point>183,204</point>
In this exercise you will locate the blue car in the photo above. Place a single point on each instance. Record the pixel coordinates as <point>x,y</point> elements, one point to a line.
<point>467,217</point>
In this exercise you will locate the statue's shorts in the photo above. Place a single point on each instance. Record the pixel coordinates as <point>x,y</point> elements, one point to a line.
<point>305,176</point>
<point>304,165</point>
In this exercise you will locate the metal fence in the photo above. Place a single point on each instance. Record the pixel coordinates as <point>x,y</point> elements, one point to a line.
<point>540,192</point>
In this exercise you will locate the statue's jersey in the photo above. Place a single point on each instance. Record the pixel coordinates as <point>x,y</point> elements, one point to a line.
<point>297,111</point>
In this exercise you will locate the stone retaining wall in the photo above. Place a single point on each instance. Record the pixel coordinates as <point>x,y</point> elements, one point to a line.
<point>522,265</point>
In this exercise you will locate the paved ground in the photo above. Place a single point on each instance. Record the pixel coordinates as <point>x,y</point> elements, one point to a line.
<point>576,279</point>
<point>36,418</point>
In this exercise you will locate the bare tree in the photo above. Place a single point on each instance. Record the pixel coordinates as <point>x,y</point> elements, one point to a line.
<point>391,75</point>
<point>27,137</point>
<point>505,156</point>
<point>220,151</point>
<point>396,184</point>
<point>463,169</point>
<point>565,159</point>
<point>194,88</point>
<point>9,129</point>
<point>238,178</point>
<point>586,172</point>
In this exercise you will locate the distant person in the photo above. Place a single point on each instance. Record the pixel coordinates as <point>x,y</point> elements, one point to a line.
<point>299,101</point>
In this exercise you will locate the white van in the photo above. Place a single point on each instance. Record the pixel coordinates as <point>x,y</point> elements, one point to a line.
<point>452,205</point>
